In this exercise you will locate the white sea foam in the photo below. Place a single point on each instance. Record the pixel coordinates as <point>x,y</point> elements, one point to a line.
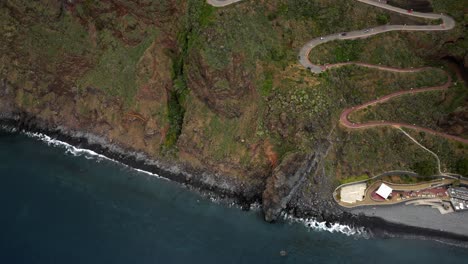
<point>308,222</point>
<point>8,128</point>
<point>86,153</point>
<point>332,227</point>
<point>147,172</point>
<point>255,206</point>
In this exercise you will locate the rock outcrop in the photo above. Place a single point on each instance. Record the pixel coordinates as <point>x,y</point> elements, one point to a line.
<point>285,180</point>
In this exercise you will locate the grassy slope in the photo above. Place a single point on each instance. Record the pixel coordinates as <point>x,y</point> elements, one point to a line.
<point>288,109</point>
<point>423,109</point>
<point>376,150</point>
<point>267,36</point>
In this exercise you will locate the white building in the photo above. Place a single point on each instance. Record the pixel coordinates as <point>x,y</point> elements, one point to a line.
<point>384,191</point>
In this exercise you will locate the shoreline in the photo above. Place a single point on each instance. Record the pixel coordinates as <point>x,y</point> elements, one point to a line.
<point>423,216</point>
<point>375,226</point>
<point>138,160</point>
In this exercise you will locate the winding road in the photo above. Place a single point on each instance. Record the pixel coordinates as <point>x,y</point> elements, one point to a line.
<point>221,3</point>
<point>447,24</point>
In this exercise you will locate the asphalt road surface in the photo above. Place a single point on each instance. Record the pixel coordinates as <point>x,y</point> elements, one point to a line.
<point>447,24</point>
<point>221,3</point>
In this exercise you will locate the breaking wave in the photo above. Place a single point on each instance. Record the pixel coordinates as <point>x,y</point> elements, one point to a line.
<point>307,222</point>
<point>8,129</point>
<point>80,152</point>
<point>329,227</point>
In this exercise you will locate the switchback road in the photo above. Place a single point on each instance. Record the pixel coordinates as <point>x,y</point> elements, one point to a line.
<point>447,23</point>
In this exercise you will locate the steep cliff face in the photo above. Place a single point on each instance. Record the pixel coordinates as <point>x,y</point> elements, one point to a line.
<point>286,179</point>
<point>223,91</point>
<point>217,93</point>
<point>93,66</point>
<point>133,73</point>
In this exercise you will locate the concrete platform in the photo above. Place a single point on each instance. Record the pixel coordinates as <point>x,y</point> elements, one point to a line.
<point>353,193</point>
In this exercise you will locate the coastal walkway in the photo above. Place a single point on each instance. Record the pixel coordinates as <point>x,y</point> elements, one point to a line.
<point>370,201</point>
<point>447,23</point>
<point>442,206</point>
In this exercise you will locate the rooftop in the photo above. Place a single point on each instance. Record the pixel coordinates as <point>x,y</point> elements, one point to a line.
<point>384,191</point>
<point>353,193</point>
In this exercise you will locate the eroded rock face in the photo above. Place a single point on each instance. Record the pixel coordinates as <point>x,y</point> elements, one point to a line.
<point>456,123</point>
<point>285,180</point>
<point>223,91</point>
<point>6,105</point>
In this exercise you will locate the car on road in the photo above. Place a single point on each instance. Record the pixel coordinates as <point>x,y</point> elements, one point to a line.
<point>366,30</point>
<point>321,38</point>
<point>343,34</point>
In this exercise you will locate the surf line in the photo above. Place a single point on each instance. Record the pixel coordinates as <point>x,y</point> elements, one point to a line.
<point>316,225</point>
<point>86,153</point>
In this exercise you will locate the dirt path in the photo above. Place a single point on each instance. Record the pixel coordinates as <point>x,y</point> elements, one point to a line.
<point>344,117</point>
<point>447,24</point>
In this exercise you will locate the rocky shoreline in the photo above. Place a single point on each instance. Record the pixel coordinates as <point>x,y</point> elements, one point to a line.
<point>206,182</point>
<point>317,205</point>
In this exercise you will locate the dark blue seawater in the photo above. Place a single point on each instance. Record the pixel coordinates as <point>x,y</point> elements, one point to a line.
<point>59,208</point>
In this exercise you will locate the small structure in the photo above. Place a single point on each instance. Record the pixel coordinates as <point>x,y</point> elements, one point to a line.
<point>384,191</point>
<point>458,198</point>
<point>353,193</point>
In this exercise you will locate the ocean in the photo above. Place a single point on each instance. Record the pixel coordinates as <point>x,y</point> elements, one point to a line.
<point>59,204</point>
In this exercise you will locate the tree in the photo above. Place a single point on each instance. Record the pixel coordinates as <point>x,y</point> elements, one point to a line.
<point>424,168</point>
<point>461,167</point>
<point>383,19</point>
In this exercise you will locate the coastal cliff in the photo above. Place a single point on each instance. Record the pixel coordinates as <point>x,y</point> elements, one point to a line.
<point>215,98</point>
<point>286,179</point>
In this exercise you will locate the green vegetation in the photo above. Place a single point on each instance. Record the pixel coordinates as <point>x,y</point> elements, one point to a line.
<point>406,179</point>
<point>377,150</point>
<point>454,8</point>
<point>436,22</point>
<point>226,145</point>
<point>236,99</point>
<point>425,167</point>
<point>115,71</point>
<point>175,114</point>
<point>425,109</point>
<point>66,37</point>
<point>348,51</point>
<point>383,19</point>
<point>206,15</point>
<point>267,83</point>
<point>390,49</point>
<point>327,16</point>
<point>354,179</point>
<point>254,38</point>
<point>199,16</point>
<point>461,166</point>
<point>355,85</point>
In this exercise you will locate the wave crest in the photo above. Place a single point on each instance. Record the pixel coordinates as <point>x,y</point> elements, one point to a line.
<point>77,152</point>
<point>329,227</point>
<point>89,154</point>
